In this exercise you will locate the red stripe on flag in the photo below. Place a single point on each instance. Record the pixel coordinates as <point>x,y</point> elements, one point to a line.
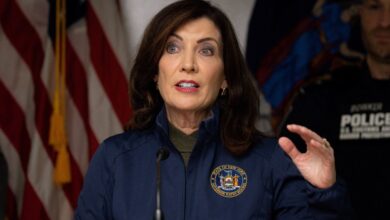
<point>32,206</point>
<point>107,67</point>
<point>11,209</point>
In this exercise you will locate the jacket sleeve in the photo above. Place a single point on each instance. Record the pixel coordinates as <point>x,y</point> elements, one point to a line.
<point>331,203</point>
<point>95,198</point>
<point>294,198</point>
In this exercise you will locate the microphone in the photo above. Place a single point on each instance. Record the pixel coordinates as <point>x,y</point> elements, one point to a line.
<point>162,154</point>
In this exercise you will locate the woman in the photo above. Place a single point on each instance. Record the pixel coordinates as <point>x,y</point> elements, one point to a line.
<point>192,94</point>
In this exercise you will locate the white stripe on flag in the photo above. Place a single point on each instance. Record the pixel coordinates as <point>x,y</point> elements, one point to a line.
<point>16,180</point>
<point>77,136</point>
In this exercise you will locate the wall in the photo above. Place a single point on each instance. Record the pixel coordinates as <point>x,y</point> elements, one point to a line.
<point>138,13</point>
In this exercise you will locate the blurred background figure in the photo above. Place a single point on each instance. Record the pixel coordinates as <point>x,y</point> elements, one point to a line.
<point>352,107</point>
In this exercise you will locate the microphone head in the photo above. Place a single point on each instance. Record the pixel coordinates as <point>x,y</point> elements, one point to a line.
<point>162,153</point>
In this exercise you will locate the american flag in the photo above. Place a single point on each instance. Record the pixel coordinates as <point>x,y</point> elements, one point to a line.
<point>96,100</point>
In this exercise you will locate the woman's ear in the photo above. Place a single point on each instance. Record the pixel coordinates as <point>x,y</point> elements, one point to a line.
<point>224,84</point>
<point>224,87</point>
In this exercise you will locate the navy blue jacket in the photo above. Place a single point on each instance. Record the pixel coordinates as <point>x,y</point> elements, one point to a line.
<point>262,184</point>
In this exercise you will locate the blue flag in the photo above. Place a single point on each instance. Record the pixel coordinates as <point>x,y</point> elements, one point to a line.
<point>292,41</point>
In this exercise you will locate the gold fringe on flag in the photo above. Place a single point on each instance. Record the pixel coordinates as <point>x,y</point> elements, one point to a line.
<point>57,135</point>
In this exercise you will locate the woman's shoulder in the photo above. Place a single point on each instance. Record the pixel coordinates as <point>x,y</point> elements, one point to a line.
<point>119,148</point>
<point>268,149</point>
<point>264,147</point>
<point>126,141</point>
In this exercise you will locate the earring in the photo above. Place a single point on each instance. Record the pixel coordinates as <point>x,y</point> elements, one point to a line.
<point>223,93</point>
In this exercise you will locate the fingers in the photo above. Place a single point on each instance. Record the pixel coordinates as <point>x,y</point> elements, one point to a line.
<point>323,145</point>
<point>306,134</point>
<point>289,147</point>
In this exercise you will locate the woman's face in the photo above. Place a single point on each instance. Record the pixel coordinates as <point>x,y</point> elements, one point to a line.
<point>191,68</point>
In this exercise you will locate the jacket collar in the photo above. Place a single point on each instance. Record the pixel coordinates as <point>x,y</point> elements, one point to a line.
<point>209,126</point>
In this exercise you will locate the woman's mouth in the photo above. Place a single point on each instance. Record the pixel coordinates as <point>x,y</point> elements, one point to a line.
<point>187,86</point>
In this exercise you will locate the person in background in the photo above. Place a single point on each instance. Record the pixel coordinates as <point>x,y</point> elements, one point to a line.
<point>352,109</point>
<point>193,96</point>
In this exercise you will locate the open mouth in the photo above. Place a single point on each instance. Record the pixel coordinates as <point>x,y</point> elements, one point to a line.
<point>187,85</point>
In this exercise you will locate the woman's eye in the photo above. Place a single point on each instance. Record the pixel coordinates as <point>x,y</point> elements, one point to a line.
<point>207,51</point>
<point>172,48</point>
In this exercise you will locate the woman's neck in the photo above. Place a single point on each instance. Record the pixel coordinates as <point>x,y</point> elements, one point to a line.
<point>187,122</point>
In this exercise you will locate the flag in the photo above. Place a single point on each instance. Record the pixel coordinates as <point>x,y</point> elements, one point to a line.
<point>290,42</point>
<point>96,103</point>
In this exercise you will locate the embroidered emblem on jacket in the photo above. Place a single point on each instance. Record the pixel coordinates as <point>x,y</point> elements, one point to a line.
<point>228,181</point>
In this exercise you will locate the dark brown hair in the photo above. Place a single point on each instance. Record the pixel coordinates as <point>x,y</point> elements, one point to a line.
<point>239,107</point>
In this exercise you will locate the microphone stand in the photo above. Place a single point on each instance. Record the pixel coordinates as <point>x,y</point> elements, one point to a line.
<point>162,154</point>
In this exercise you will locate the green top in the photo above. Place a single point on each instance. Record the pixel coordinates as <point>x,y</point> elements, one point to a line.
<point>184,143</point>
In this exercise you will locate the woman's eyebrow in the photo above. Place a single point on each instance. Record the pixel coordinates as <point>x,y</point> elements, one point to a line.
<point>198,41</point>
<point>208,39</point>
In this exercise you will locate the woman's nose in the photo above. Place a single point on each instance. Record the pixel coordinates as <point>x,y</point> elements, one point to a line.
<point>189,64</point>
